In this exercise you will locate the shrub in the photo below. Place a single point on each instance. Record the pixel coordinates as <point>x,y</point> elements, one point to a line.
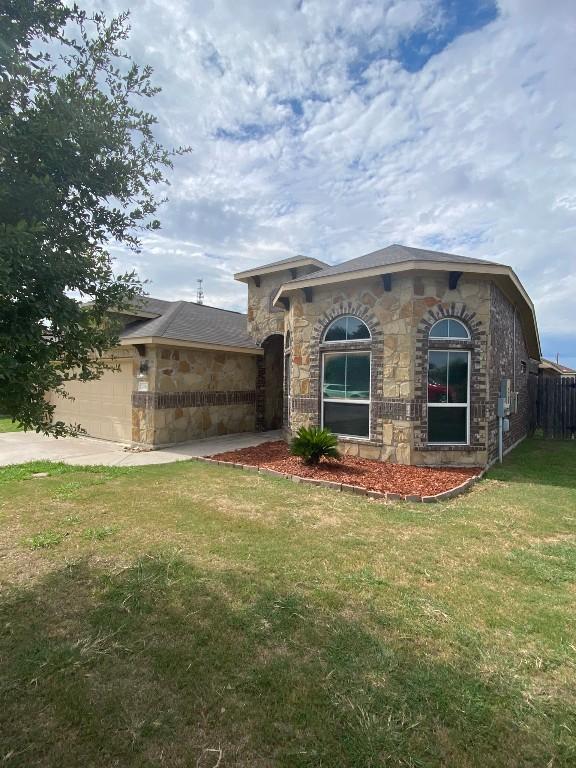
<point>313,443</point>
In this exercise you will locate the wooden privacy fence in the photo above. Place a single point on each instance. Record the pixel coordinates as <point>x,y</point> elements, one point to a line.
<point>553,400</point>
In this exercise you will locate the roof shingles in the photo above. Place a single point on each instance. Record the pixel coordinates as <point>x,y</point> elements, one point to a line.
<point>393,254</point>
<point>187,321</point>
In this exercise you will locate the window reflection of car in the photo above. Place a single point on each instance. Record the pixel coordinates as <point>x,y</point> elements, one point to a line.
<point>439,393</point>
<point>338,390</point>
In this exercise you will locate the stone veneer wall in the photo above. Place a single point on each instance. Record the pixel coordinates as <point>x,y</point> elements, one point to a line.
<point>398,320</point>
<point>389,317</point>
<point>469,303</point>
<point>263,318</point>
<point>194,393</point>
<point>506,353</point>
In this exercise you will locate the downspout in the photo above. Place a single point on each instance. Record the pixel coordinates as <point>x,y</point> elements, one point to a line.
<point>514,354</point>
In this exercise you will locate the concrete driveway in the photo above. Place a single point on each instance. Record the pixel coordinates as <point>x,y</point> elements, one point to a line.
<point>19,447</point>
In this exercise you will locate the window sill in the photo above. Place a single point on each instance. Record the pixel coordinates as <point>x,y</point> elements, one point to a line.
<point>464,447</point>
<point>361,440</point>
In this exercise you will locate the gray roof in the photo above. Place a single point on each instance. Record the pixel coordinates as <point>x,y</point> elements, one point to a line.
<point>385,257</point>
<point>154,306</point>
<point>283,262</point>
<point>280,263</point>
<point>188,321</point>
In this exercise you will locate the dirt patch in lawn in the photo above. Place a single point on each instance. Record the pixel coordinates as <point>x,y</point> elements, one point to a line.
<point>366,473</point>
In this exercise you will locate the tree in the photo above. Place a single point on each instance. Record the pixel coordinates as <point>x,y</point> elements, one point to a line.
<point>79,166</point>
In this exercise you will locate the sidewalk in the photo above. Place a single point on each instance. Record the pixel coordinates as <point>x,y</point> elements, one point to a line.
<point>19,447</point>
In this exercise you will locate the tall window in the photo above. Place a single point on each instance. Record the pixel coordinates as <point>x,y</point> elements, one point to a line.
<point>448,386</point>
<point>346,379</point>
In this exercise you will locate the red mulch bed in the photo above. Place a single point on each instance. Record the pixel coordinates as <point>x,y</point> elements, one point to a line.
<point>369,474</point>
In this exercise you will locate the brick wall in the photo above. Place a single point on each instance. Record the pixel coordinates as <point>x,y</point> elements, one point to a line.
<point>506,353</point>
<point>399,321</point>
<point>478,375</point>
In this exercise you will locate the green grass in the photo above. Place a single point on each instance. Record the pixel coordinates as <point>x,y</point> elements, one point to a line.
<point>196,615</point>
<point>7,425</point>
<point>45,539</point>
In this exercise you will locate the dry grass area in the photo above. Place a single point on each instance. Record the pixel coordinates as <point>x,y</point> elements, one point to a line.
<point>195,615</point>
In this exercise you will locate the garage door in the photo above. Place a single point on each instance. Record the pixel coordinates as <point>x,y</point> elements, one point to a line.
<point>102,407</point>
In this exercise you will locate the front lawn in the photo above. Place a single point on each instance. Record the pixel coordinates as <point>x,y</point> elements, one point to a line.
<point>7,425</point>
<point>198,615</point>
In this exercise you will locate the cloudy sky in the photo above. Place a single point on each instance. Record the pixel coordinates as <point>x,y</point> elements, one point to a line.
<point>334,127</point>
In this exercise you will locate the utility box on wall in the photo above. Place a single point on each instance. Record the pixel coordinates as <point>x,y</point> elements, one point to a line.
<point>505,403</point>
<point>506,393</point>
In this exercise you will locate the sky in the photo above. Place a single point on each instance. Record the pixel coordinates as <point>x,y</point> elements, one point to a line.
<point>332,128</point>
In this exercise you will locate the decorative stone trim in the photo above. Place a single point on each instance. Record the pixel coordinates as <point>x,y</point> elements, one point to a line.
<point>432,448</point>
<point>192,399</point>
<point>260,394</point>
<point>476,345</point>
<point>303,404</point>
<point>375,346</point>
<point>401,410</point>
<point>358,490</point>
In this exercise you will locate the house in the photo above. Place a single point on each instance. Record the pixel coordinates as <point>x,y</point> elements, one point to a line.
<point>555,370</point>
<point>401,352</point>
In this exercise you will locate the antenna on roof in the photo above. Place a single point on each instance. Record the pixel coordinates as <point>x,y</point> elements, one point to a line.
<point>199,292</point>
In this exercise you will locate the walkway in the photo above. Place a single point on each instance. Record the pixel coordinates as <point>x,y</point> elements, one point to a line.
<point>18,447</point>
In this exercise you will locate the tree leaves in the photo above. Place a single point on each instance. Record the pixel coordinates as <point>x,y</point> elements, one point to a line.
<point>78,167</point>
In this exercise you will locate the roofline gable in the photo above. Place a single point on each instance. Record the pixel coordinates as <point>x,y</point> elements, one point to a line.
<point>502,272</point>
<point>165,341</point>
<point>282,266</point>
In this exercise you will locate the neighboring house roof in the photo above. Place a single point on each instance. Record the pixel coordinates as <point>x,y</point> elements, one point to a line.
<point>186,321</point>
<point>293,262</point>
<point>402,258</point>
<point>561,370</point>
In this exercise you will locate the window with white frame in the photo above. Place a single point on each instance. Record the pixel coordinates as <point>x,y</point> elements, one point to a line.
<point>448,396</point>
<point>346,379</point>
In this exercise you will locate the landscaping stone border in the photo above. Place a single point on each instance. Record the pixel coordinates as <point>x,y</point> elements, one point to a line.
<point>355,489</point>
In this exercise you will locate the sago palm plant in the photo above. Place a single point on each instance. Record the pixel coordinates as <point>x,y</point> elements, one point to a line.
<point>313,443</point>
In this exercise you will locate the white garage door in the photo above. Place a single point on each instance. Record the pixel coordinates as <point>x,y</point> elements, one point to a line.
<point>102,407</point>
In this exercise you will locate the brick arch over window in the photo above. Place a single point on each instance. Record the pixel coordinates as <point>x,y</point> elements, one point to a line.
<point>476,345</point>
<point>375,345</point>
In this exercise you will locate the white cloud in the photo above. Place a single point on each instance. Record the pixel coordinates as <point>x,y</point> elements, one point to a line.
<point>473,153</point>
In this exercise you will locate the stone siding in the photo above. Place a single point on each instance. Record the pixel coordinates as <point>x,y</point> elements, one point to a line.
<point>263,318</point>
<point>399,321</point>
<point>469,303</point>
<point>194,393</point>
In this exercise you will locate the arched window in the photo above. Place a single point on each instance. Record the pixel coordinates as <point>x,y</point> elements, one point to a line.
<point>346,378</point>
<point>448,385</point>
<point>347,328</point>
<point>449,328</point>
